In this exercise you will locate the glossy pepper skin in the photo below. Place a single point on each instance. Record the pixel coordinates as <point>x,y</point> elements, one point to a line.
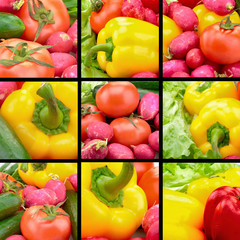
<point>207,17</point>
<point>18,109</point>
<point>170,31</point>
<point>182,216</point>
<point>115,223</point>
<point>198,94</point>
<point>136,47</point>
<point>38,174</point>
<point>222,214</point>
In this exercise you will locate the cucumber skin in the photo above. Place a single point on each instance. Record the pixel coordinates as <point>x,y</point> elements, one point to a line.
<point>150,85</point>
<point>11,26</point>
<point>10,226</point>
<point>10,145</point>
<point>70,206</point>
<point>9,204</point>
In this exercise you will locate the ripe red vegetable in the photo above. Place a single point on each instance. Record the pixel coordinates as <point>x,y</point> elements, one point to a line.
<point>165,7</point>
<point>172,7</point>
<point>172,66</point>
<point>133,8</point>
<point>99,130</point>
<point>150,16</point>
<point>232,70</point>
<point>189,3</point>
<point>220,7</point>
<point>152,4</point>
<point>180,74</point>
<point>203,71</point>
<point>5,89</point>
<point>72,32</point>
<point>145,75</point>
<point>232,157</point>
<point>143,151</point>
<point>70,72</point>
<point>195,58</point>
<point>119,151</point>
<point>141,168</point>
<point>10,6</point>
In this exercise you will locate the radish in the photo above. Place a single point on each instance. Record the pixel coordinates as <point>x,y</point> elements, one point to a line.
<point>28,189</point>
<point>5,89</point>
<point>172,7</point>
<point>153,140</point>
<point>182,44</point>
<point>150,217</point>
<point>172,66</point>
<point>232,157</point>
<point>10,6</point>
<point>180,74</point>
<point>16,237</point>
<point>133,9</point>
<point>157,19</point>
<point>153,232</point>
<point>145,75</point>
<point>150,16</point>
<point>152,4</point>
<point>143,151</point>
<point>70,72</point>
<point>87,140</point>
<point>189,3</point>
<point>195,58</point>
<point>148,107</point>
<point>63,41</point>
<point>220,7</point>
<point>231,70</point>
<point>59,188</point>
<point>119,151</point>
<point>216,66</point>
<point>72,32</point>
<point>203,71</point>
<point>40,197</point>
<point>185,18</point>
<point>95,149</point>
<point>62,61</point>
<point>74,181</point>
<point>156,121</point>
<point>165,7</point>
<point>1,185</point>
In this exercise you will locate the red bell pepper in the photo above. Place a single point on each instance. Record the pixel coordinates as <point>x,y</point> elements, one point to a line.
<point>222,214</point>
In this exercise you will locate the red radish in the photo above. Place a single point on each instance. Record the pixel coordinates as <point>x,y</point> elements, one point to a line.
<point>157,19</point>
<point>16,237</point>
<point>72,32</point>
<point>144,75</point>
<point>148,107</point>
<point>1,185</point>
<point>185,18</point>
<point>195,58</point>
<point>143,151</point>
<point>28,189</point>
<point>165,7</point>
<point>10,6</point>
<point>180,74</point>
<point>5,89</point>
<point>172,7</point>
<point>182,44</point>
<point>62,61</point>
<point>231,70</point>
<point>170,67</point>
<point>217,67</point>
<point>74,181</point>
<point>119,151</point>
<point>153,232</point>
<point>189,3</point>
<point>152,4</point>
<point>150,16</point>
<point>40,197</point>
<point>70,72</point>
<point>220,7</point>
<point>150,217</point>
<point>19,84</point>
<point>153,140</point>
<point>133,8</point>
<point>95,238</point>
<point>203,71</point>
<point>63,41</point>
<point>156,121</point>
<point>59,188</point>
<point>99,130</point>
<point>232,157</point>
<point>95,149</point>
<point>87,140</point>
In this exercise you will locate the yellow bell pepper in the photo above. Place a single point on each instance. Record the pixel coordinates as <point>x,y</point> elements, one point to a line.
<point>47,128</point>
<point>182,216</point>
<point>38,174</point>
<point>111,207</point>
<point>127,46</point>
<point>198,94</point>
<point>217,127</point>
<point>207,17</point>
<point>203,187</point>
<point>170,31</point>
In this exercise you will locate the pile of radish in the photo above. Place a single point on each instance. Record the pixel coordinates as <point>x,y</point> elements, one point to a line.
<point>206,53</point>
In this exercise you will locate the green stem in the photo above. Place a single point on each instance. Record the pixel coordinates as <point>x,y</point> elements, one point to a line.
<point>217,136</point>
<point>109,188</point>
<point>50,116</point>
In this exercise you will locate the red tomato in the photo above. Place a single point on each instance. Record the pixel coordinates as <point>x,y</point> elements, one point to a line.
<point>26,69</point>
<point>141,168</point>
<point>124,132</point>
<point>150,185</point>
<point>238,89</point>
<point>33,227</point>
<point>60,16</point>
<point>87,119</point>
<point>220,45</point>
<point>117,99</point>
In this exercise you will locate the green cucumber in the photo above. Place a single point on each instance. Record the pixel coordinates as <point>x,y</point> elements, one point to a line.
<point>10,145</point>
<point>142,92</point>
<point>70,206</point>
<point>10,226</point>
<point>11,26</point>
<point>151,85</point>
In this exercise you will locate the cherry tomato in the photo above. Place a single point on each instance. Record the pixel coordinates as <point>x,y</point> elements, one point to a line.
<point>117,99</point>
<point>124,132</point>
<point>141,168</point>
<point>87,119</point>
<point>60,16</point>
